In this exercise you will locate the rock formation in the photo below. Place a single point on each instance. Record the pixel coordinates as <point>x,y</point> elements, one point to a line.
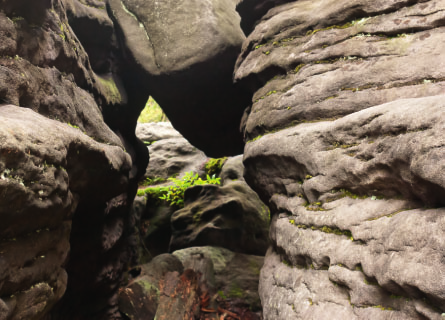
<point>344,142</point>
<point>67,179</point>
<point>203,281</point>
<point>185,52</point>
<point>230,216</point>
<point>341,107</point>
<point>171,154</point>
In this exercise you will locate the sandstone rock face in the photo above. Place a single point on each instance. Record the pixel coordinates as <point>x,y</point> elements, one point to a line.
<point>42,180</point>
<point>140,298</point>
<point>231,216</point>
<point>234,275</point>
<point>194,283</point>
<point>171,154</point>
<point>344,141</point>
<point>234,215</point>
<point>253,10</point>
<point>184,53</point>
<point>155,131</point>
<point>232,170</point>
<point>66,180</point>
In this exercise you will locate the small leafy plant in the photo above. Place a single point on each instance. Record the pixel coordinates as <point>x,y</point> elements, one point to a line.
<point>174,195</point>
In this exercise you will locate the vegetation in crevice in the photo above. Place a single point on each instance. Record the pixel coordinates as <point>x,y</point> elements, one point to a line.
<point>344,26</point>
<point>174,194</point>
<point>214,165</point>
<point>325,229</point>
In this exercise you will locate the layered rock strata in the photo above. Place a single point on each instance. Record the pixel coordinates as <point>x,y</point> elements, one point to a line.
<point>344,142</point>
<point>67,178</point>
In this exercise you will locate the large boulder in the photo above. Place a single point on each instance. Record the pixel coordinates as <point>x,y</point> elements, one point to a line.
<point>151,132</point>
<point>42,180</point>
<point>252,11</point>
<point>71,173</point>
<point>364,214</point>
<point>171,154</point>
<point>140,298</point>
<point>202,281</point>
<point>231,216</point>
<point>232,170</point>
<point>344,143</point>
<point>184,53</point>
<point>233,275</point>
<point>86,16</point>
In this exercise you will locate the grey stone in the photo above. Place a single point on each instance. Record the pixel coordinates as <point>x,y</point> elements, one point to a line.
<point>174,157</point>
<point>231,216</point>
<point>140,298</point>
<point>184,53</point>
<point>384,231</point>
<point>232,170</point>
<point>235,274</point>
<point>155,131</point>
<point>41,181</point>
<point>344,143</point>
<point>339,70</point>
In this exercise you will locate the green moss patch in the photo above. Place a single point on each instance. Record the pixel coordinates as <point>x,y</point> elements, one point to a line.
<point>214,166</point>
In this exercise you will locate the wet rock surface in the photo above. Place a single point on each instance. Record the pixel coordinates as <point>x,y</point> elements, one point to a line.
<point>344,144</point>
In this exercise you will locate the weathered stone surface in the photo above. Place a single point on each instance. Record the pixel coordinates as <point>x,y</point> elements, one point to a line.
<point>42,179</point>
<point>76,182</point>
<point>231,216</point>
<point>85,17</point>
<point>174,156</point>
<point>179,296</point>
<point>392,151</point>
<point>235,274</point>
<point>232,170</point>
<point>47,73</point>
<point>344,143</point>
<point>253,10</point>
<point>185,52</point>
<point>171,154</point>
<point>155,131</point>
<point>348,66</point>
<point>140,298</point>
<point>156,227</point>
